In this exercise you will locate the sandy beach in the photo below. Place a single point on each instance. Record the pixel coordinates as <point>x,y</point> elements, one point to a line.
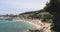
<point>45,26</point>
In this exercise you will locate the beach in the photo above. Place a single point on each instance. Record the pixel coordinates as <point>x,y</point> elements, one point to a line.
<point>45,26</point>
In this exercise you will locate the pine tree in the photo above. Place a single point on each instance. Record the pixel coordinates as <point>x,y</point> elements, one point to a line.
<point>54,8</point>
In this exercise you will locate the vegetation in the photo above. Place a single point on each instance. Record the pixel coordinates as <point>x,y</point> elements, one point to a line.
<point>51,10</point>
<point>54,8</point>
<point>40,14</point>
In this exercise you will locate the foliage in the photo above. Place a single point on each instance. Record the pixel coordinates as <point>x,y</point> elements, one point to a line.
<point>54,8</point>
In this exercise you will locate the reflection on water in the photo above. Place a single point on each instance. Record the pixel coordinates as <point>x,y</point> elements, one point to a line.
<point>15,26</point>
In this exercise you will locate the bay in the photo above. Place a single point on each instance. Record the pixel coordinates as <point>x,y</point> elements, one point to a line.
<point>15,26</point>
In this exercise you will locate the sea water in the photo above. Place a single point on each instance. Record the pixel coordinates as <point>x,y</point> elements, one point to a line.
<point>15,26</point>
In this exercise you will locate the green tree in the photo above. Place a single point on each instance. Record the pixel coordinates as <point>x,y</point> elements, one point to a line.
<point>54,8</point>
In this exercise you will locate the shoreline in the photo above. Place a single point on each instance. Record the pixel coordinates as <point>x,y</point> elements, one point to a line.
<point>29,22</point>
<point>34,21</point>
<point>45,26</point>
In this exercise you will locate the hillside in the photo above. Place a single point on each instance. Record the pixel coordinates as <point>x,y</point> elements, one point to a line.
<point>39,14</point>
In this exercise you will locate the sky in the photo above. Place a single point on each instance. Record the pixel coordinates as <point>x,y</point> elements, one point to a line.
<point>20,6</point>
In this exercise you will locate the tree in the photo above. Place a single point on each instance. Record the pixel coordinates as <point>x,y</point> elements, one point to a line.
<point>54,8</point>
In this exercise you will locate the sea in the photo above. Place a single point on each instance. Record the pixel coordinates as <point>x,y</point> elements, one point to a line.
<point>15,26</point>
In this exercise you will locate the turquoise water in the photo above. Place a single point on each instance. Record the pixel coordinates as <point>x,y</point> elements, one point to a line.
<point>15,26</point>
